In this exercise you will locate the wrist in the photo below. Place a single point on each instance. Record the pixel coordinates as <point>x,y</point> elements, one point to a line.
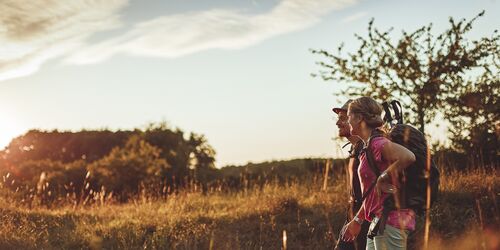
<point>358,220</point>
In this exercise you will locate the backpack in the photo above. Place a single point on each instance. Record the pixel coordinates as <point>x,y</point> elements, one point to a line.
<point>423,173</point>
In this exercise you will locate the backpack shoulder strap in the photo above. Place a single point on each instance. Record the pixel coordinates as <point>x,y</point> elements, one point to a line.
<point>371,161</point>
<point>369,153</point>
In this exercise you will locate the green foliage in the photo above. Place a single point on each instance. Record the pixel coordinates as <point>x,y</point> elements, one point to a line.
<point>47,166</point>
<point>125,168</point>
<point>420,69</point>
<point>202,154</point>
<point>90,146</point>
<point>475,113</point>
<point>63,146</point>
<point>295,168</point>
<point>174,147</point>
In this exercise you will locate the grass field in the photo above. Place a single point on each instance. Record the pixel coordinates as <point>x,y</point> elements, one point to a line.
<point>298,215</point>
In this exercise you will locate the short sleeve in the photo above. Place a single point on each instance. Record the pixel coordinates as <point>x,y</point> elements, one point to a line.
<point>376,146</point>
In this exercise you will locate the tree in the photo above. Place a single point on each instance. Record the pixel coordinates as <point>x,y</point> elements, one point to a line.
<point>125,168</point>
<point>175,147</point>
<point>202,154</point>
<point>64,146</point>
<point>474,113</point>
<point>420,70</point>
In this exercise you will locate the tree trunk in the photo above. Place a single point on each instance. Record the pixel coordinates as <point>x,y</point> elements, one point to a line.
<point>421,115</point>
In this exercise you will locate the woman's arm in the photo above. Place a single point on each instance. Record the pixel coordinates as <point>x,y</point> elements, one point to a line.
<point>397,156</point>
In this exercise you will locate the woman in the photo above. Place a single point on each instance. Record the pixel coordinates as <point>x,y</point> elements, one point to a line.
<point>390,159</point>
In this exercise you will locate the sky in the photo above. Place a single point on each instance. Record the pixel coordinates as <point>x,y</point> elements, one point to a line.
<point>237,71</point>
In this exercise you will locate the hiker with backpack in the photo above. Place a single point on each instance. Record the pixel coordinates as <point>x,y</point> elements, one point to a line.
<point>355,194</point>
<point>381,163</point>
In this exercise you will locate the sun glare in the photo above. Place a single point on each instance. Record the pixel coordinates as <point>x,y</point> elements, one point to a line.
<point>9,128</point>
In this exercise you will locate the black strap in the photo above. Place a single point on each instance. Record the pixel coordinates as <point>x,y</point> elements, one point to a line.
<point>389,203</point>
<point>371,161</point>
<point>388,207</point>
<point>387,116</point>
<point>355,188</point>
<point>396,108</point>
<point>398,111</point>
<point>368,191</point>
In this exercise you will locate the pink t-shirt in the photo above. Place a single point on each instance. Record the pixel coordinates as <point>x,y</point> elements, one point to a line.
<point>402,218</point>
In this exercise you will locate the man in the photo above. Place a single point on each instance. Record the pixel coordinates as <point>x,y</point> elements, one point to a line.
<point>355,199</point>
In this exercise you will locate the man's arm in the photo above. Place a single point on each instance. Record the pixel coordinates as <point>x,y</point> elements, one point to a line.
<point>352,229</point>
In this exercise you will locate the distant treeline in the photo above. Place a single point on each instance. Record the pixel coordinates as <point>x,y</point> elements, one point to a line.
<point>116,163</point>
<point>88,166</point>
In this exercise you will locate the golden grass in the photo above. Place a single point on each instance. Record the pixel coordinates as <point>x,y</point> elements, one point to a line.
<point>256,218</point>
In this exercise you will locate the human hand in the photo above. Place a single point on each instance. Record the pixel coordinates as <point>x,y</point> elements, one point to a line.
<point>384,186</point>
<point>350,231</point>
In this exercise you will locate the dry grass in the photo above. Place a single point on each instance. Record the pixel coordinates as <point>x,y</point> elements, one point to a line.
<point>255,218</point>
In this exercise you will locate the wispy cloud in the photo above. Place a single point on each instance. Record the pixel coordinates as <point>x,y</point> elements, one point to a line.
<point>35,33</point>
<point>178,35</point>
<point>354,17</point>
<point>32,32</point>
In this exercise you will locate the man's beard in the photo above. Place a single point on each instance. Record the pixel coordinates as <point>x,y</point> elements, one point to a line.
<point>344,133</point>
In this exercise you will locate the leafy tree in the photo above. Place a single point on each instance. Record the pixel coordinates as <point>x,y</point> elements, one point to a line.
<point>46,148</point>
<point>202,154</point>
<point>89,146</point>
<point>64,146</point>
<point>420,69</point>
<point>174,147</point>
<point>474,113</point>
<point>125,168</point>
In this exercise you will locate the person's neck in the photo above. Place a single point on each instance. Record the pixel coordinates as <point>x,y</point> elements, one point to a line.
<point>365,134</point>
<point>353,139</point>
